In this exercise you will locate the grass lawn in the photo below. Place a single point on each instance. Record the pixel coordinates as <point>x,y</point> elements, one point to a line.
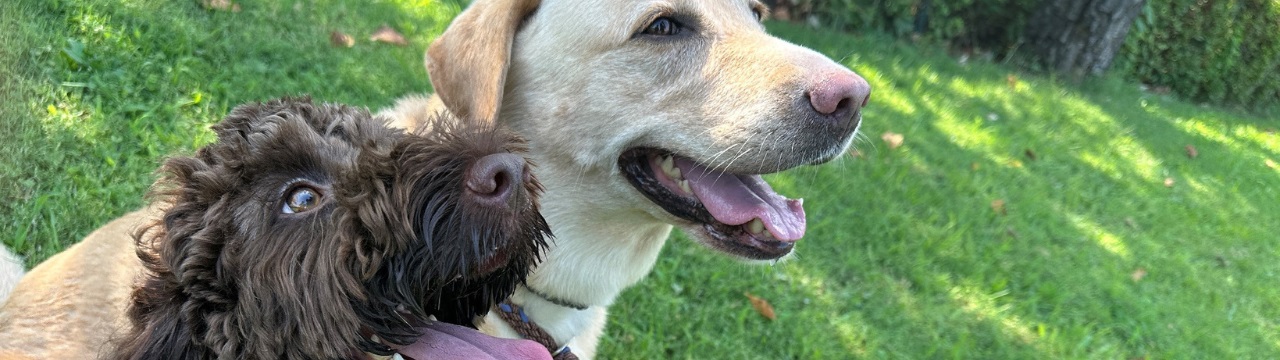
<point>1021,217</point>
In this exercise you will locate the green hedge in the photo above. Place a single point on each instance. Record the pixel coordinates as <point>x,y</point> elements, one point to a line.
<point>1217,51</point>
<point>1223,51</point>
<point>988,24</point>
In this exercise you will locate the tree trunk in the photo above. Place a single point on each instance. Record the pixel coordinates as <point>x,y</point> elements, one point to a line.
<point>1080,37</point>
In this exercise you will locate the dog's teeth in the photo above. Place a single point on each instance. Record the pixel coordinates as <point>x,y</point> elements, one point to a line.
<point>397,356</point>
<point>684,186</point>
<point>669,168</point>
<point>755,226</point>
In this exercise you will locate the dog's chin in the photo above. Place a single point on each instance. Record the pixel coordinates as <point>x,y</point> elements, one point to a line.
<point>737,214</point>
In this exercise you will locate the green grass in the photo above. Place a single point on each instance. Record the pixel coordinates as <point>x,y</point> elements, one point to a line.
<point>905,257</point>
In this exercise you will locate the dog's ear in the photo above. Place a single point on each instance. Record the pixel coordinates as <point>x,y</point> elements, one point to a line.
<point>468,63</point>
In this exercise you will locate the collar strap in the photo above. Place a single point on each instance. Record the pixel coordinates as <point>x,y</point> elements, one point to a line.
<point>556,300</point>
<point>515,316</point>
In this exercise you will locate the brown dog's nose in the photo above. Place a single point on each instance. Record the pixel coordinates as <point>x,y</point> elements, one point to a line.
<point>495,178</point>
<point>839,95</point>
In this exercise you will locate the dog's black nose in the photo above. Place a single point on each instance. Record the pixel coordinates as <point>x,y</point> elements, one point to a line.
<point>497,178</point>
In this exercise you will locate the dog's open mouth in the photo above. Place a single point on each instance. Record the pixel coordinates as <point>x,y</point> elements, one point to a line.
<point>739,214</point>
<point>442,340</point>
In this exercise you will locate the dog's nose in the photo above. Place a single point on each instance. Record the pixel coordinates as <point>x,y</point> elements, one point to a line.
<point>839,95</point>
<point>497,177</point>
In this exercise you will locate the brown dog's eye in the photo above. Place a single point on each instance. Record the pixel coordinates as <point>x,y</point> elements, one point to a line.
<point>299,199</point>
<point>662,26</point>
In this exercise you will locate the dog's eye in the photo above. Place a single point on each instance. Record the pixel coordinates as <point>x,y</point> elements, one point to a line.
<point>758,13</point>
<point>663,26</point>
<point>299,199</point>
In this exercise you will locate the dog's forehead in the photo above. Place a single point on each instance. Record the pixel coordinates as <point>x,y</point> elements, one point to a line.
<point>298,121</point>
<point>620,19</point>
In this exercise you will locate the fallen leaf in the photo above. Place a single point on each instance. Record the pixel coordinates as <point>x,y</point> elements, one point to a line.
<point>855,153</point>
<point>762,306</point>
<point>893,139</point>
<point>1030,154</point>
<point>1168,182</point>
<point>974,166</point>
<point>1271,164</point>
<point>388,35</point>
<point>997,205</point>
<point>340,39</point>
<point>1138,274</point>
<point>1013,81</point>
<point>221,5</point>
<point>1191,152</point>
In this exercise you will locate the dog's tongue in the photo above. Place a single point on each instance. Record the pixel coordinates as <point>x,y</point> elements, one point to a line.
<point>736,199</point>
<point>452,342</point>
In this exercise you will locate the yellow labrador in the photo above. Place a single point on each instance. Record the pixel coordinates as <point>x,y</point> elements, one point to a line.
<point>641,116</point>
<point>71,304</point>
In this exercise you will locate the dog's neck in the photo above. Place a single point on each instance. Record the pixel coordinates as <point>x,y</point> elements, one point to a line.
<point>595,254</point>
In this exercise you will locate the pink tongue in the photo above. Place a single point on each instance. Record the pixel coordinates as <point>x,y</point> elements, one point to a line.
<point>452,342</point>
<point>736,199</point>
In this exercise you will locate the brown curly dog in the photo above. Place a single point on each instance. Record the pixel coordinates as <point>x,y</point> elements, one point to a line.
<point>317,232</point>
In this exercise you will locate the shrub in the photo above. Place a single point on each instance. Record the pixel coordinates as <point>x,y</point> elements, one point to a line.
<point>1220,51</point>
<point>988,24</point>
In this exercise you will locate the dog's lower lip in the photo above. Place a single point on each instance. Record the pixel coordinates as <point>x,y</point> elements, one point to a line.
<point>496,260</point>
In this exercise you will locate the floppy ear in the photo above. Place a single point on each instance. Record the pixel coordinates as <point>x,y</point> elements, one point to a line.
<point>468,63</point>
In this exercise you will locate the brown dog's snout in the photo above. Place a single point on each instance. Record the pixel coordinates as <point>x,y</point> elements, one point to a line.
<point>839,95</point>
<point>497,178</point>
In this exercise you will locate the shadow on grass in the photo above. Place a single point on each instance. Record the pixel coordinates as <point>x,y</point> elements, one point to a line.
<point>1090,255</point>
<point>113,86</point>
<point>1087,214</point>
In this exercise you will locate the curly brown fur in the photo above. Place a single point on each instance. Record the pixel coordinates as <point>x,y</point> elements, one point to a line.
<point>396,236</point>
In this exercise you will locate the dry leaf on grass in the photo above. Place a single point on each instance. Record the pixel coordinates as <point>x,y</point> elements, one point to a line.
<point>1138,274</point>
<point>1191,152</point>
<point>762,306</point>
<point>222,5</point>
<point>338,38</point>
<point>1030,154</point>
<point>894,140</point>
<point>997,205</point>
<point>388,35</point>
<point>1271,164</point>
<point>1013,81</point>
<point>1168,182</point>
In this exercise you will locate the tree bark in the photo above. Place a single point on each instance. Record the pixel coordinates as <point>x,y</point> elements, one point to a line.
<point>1080,37</point>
